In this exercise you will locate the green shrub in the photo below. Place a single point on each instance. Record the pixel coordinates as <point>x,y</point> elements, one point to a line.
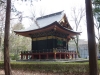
<point>54,68</point>
<point>14,57</point>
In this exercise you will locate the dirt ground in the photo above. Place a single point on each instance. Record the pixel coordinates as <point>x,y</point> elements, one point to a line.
<point>31,73</point>
<point>16,72</point>
<point>20,72</point>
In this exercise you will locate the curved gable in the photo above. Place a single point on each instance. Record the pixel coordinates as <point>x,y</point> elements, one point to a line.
<point>64,22</point>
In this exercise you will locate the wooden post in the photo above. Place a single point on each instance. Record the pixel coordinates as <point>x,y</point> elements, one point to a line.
<point>72,55</point>
<point>60,55</point>
<point>32,56</point>
<point>47,56</point>
<point>54,55</point>
<point>26,56</point>
<point>21,56</point>
<point>0,40</point>
<point>39,56</point>
<point>75,55</point>
<point>7,66</point>
<point>64,55</point>
<point>93,68</point>
<point>68,55</point>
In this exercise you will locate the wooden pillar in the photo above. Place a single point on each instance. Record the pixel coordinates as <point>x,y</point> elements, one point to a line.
<point>21,56</point>
<point>47,56</point>
<point>32,56</point>
<point>72,55</point>
<point>68,55</point>
<point>60,55</point>
<point>64,55</point>
<point>39,56</point>
<point>54,55</point>
<point>26,56</point>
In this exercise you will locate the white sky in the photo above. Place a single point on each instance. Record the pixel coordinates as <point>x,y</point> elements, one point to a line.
<point>51,6</point>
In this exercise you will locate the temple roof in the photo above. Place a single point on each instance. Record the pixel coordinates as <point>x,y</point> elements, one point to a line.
<point>48,19</point>
<point>59,19</point>
<point>44,21</point>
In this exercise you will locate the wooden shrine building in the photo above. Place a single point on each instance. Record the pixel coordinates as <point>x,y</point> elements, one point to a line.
<point>50,40</point>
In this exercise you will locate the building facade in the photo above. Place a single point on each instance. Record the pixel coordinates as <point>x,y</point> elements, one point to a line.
<point>50,40</point>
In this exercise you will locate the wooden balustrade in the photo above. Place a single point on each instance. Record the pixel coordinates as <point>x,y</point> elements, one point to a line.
<point>58,53</point>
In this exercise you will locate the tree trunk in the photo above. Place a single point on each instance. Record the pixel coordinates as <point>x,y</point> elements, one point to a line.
<point>7,66</point>
<point>93,66</point>
<point>76,43</point>
<point>77,48</point>
<point>0,41</point>
<point>99,45</point>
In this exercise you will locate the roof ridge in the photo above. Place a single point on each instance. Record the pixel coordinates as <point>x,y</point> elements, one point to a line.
<point>45,16</point>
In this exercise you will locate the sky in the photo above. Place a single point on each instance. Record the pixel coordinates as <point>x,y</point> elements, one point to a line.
<point>52,6</point>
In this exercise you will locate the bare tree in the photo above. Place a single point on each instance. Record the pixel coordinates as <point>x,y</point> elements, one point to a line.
<point>33,15</point>
<point>2,19</point>
<point>77,17</point>
<point>7,66</point>
<point>42,12</point>
<point>96,14</point>
<point>16,43</point>
<point>97,30</point>
<point>32,11</point>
